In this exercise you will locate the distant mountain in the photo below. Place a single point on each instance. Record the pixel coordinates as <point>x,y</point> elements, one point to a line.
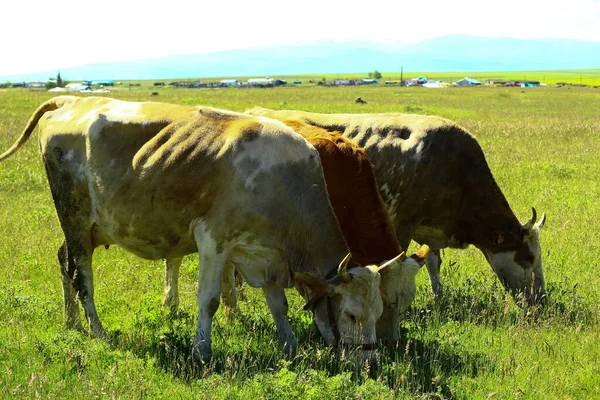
<point>444,54</point>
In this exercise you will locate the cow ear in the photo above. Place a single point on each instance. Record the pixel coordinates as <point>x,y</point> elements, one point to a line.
<point>319,287</point>
<point>310,304</point>
<point>421,254</point>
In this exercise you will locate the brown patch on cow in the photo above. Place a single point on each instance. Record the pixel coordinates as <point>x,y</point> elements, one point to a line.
<point>354,195</point>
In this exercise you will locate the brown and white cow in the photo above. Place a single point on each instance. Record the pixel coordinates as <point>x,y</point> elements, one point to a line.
<point>439,190</point>
<point>163,181</point>
<point>363,219</point>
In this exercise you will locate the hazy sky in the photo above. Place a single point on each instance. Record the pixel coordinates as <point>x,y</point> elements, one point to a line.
<point>52,34</point>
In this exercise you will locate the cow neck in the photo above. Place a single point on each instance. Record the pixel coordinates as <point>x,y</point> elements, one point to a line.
<point>315,242</point>
<point>354,195</point>
<point>363,218</point>
<point>490,214</point>
<point>473,200</point>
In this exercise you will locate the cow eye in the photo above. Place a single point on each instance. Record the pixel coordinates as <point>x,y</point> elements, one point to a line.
<point>351,316</point>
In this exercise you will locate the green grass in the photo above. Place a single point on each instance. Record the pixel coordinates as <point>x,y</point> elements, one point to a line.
<point>543,146</point>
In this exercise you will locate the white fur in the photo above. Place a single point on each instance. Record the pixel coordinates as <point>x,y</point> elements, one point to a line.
<point>262,153</point>
<point>390,200</point>
<point>123,110</point>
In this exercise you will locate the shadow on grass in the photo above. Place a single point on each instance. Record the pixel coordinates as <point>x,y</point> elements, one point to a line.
<point>248,346</point>
<point>427,366</point>
<point>418,364</point>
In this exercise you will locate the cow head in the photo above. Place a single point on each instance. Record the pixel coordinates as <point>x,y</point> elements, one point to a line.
<point>347,306</point>
<point>398,290</point>
<point>519,267</point>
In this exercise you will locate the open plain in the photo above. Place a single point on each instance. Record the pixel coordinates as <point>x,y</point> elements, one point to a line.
<point>543,147</point>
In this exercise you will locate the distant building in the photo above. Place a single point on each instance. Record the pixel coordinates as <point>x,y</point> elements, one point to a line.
<point>350,82</point>
<point>468,82</point>
<point>530,83</point>
<point>260,81</point>
<point>421,80</point>
<point>105,82</point>
<point>230,82</point>
<point>495,82</point>
<point>344,82</point>
<point>76,87</point>
<point>266,82</point>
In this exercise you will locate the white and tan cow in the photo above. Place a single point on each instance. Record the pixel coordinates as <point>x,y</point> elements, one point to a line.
<point>163,181</point>
<point>439,190</point>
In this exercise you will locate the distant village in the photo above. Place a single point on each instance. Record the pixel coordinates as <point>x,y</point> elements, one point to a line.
<point>103,86</point>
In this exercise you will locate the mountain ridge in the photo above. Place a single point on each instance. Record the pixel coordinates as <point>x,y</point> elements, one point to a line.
<point>451,53</point>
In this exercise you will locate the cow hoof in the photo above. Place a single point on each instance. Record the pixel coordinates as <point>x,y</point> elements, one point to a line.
<point>438,291</point>
<point>97,330</point>
<point>74,325</point>
<point>170,305</point>
<point>201,356</point>
<point>231,312</point>
<point>290,348</point>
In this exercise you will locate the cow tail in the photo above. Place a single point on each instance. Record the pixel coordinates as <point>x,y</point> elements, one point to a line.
<point>49,105</point>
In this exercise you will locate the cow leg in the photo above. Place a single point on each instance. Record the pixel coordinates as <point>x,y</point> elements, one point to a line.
<point>277,302</point>
<point>229,291</point>
<point>210,277</point>
<point>171,297</point>
<point>434,261</point>
<point>72,316</point>
<point>83,282</point>
<point>73,209</point>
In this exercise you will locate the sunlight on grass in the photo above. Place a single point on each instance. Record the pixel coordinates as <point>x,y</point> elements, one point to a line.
<point>543,146</point>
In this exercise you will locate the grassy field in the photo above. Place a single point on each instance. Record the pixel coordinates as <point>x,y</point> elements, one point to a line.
<point>543,145</point>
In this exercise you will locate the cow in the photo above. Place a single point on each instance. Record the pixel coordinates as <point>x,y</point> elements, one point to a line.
<point>163,181</point>
<point>361,213</point>
<point>439,190</point>
<point>363,219</point>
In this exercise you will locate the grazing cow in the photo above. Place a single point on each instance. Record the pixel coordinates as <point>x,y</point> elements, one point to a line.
<point>439,190</point>
<point>365,223</point>
<point>163,181</point>
<point>362,216</point>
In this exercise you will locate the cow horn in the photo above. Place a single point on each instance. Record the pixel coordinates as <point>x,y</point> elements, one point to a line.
<point>541,222</point>
<point>399,258</point>
<point>344,265</point>
<point>529,224</point>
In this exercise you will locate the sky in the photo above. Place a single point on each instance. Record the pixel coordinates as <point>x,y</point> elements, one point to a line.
<point>49,35</point>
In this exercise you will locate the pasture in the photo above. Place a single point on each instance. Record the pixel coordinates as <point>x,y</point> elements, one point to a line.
<point>543,146</point>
